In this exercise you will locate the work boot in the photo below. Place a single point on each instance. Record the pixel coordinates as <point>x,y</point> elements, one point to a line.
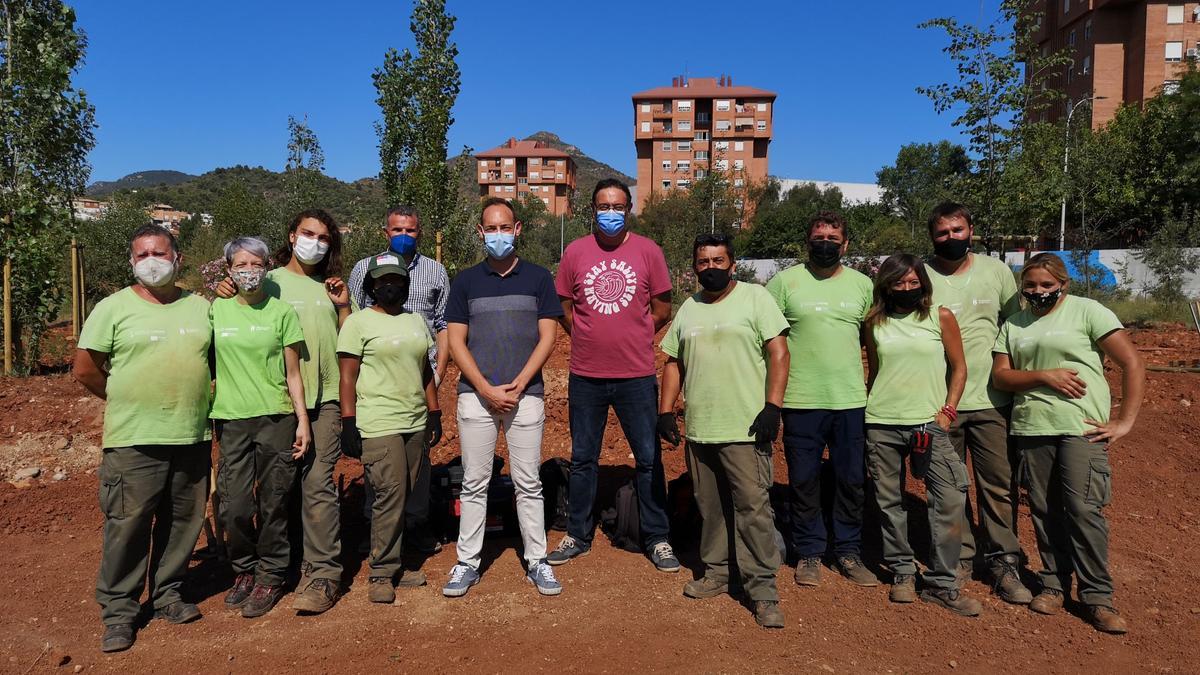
<point>808,571</point>
<point>852,567</point>
<point>904,589</point>
<point>317,597</point>
<point>1106,620</point>
<point>1006,580</point>
<point>117,637</point>
<point>953,600</point>
<point>262,599</point>
<point>380,589</point>
<point>768,614</point>
<point>178,612</point>
<point>411,579</point>
<point>705,588</point>
<point>1049,601</point>
<point>237,596</point>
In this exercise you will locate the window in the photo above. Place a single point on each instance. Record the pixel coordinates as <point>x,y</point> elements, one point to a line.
<point>685,125</point>
<point>666,165</point>
<point>739,146</point>
<point>482,175</point>
<point>545,188</point>
<point>700,136</point>
<point>483,163</point>
<point>722,125</point>
<point>1174,13</point>
<point>666,145</point>
<point>683,106</point>
<point>702,117</point>
<point>1174,51</point>
<point>723,106</point>
<point>701,173</point>
<point>738,164</point>
<point>1087,31</point>
<point>508,175</point>
<point>508,161</point>
<point>1087,65</point>
<point>762,125</point>
<point>1170,87</point>
<point>721,145</point>
<point>666,184</point>
<point>535,160</point>
<point>684,146</point>
<point>544,199</point>
<point>645,107</point>
<point>508,188</point>
<point>1071,38</point>
<point>1070,73</point>
<point>666,127</point>
<point>762,107</point>
<point>559,176</point>
<point>498,188</point>
<point>1066,6</point>
<point>645,127</point>
<point>683,182</point>
<point>722,165</point>
<point>739,182</point>
<point>683,167</point>
<point>535,175</point>
<point>700,154</point>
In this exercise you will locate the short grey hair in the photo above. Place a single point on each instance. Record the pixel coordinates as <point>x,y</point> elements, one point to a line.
<point>403,211</point>
<point>252,245</point>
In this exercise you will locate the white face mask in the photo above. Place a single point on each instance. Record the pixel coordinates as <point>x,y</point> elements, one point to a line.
<point>309,251</point>
<point>154,272</point>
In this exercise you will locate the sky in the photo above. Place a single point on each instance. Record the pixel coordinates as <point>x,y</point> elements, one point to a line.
<point>193,86</point>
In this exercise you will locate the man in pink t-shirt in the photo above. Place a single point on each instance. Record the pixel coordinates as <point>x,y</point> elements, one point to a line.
<point>616,294</point>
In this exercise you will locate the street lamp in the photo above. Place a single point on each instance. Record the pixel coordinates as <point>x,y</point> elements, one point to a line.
<point>1062,223</point>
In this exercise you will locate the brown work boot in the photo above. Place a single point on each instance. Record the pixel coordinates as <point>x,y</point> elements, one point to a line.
<point>237,596</point>
<point>1106,620</point>
<point>904,589</point>
<point>1006,580</point>
<point>317,597</point>
<point>117,637</point>
<point>808,571</point>
<point>852,567</point>
<point>380,589</point>
<point>768,614</point>
<point>1049,601</point>
<point>411,579</point>
<point>705,588</point>
<point>953,600</point>
<point>262,599</point>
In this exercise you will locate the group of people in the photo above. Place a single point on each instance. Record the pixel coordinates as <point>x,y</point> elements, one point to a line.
<point>294,368</point>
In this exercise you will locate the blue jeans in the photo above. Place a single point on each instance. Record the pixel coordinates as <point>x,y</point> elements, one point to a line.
<point>635,401</point>
<point>805,435</point>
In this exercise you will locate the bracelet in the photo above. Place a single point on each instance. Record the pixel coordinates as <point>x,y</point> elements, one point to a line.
<point>949,411</point>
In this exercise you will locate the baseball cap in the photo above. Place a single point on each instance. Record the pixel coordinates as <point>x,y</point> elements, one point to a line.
<point>386,263</point>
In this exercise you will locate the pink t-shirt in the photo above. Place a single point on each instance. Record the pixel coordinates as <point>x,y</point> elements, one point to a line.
<point>612,334</point>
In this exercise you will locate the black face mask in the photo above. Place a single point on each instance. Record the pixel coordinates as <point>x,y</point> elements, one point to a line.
<point>1042,301</point>
<point>714,279</point>
<point>908,299</point>
<point>391,295</point>
<point>952,249</point>
<point>824,253</point>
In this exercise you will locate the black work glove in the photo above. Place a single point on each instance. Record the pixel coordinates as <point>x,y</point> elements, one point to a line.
<point>433,425</point>
<point>351,441</point>
<point>765,427</point>
<point>668,428</point>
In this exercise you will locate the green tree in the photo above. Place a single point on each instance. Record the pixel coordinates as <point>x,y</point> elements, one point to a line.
<point>45,134</point>
<point>306,161</point>
<point>780,226</point>
<point>924,175</point>
<point>104,244</point>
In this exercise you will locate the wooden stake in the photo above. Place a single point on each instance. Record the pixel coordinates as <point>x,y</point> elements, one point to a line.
<point>438,253</point>
<point>8,337</point>
<point>82,290</point>
<point>74,289</point>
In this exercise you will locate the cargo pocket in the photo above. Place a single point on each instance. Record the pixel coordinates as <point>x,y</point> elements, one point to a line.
<point>374,450</point>
<point>872,464</point>
<point>112,497</point>
<point>1099,490</point>
<point>766,471</point>
<point>958,471</point>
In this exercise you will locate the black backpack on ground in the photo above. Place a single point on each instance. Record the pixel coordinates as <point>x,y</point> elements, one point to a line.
<point>621,522</point>
<point>556,475</point>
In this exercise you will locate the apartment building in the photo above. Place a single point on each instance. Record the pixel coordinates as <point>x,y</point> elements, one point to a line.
<point>86,208</point>
<point>697,125</point>
<point>520,168</point>
<point>1125,51</point>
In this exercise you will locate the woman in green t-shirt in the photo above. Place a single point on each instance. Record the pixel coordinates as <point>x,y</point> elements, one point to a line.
<point>262,426</point>
<point>916,374</point>
<point>1051,355</point>
<point>389,411</point>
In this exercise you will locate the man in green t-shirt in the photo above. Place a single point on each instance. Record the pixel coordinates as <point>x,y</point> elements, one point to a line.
<point>144,349</point>
<point>825,302</point>
<point>982,293</point>
<point>728,350</point>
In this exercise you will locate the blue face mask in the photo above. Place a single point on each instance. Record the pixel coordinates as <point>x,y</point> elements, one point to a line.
<point>403,244</point>
<point>610,222</point>
<point>498,244</point>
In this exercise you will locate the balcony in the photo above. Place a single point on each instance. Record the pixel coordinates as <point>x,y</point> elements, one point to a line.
<point>661,111</point>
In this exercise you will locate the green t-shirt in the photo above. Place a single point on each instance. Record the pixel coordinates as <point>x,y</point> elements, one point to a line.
<point>158,381</point>
<point>1064,338</point>
<point>910,385</point>
<point>980,298</point>
<point>251,378</point>
<point>720,347</point>
<point>319,322</point>
<point>391,386</point>
<point>826,318</point>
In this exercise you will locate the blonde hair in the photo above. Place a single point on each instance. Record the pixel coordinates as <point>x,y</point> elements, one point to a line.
<point>1049,262</point>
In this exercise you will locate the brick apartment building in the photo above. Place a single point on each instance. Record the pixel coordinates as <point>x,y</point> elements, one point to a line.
<point>1124,50</point>
<point>684,131</point>
<point>518,168</point>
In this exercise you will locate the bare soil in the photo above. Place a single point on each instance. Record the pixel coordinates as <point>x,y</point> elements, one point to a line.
<point>617,613</point>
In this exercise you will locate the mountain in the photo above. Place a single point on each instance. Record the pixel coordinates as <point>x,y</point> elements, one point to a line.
<point>142,179</point>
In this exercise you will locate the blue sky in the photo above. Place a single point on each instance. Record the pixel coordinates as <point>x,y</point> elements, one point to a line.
<point>193,86</point>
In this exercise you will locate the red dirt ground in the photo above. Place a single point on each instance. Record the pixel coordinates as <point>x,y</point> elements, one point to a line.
<point>616,613</point>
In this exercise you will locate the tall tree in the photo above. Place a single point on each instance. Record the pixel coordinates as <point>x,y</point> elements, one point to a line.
<point>924,175</point>
<point>45,134</point>
<point>416,93</point>
<point>305,163</point>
